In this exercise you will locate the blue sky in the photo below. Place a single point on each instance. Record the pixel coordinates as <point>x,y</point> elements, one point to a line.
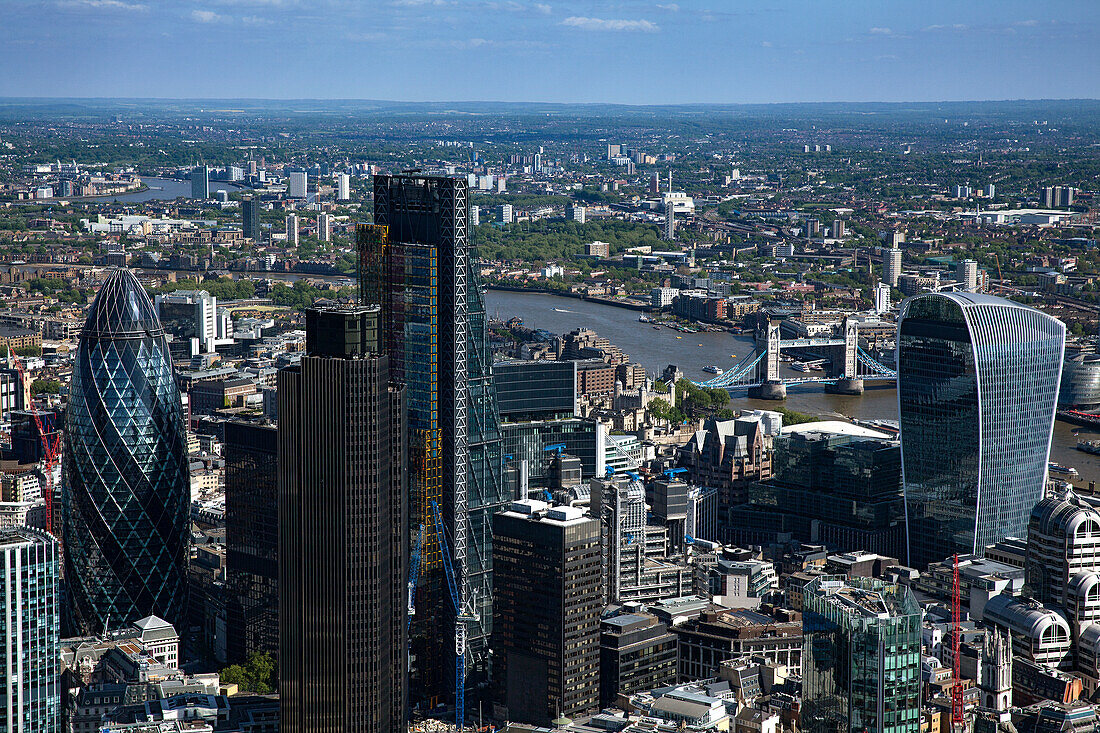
<point>626,51</point>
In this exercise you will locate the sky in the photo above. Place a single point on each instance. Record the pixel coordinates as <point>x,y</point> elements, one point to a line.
<point>623,51</point>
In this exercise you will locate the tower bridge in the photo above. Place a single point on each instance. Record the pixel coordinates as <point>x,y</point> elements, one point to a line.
<point>758,371</point>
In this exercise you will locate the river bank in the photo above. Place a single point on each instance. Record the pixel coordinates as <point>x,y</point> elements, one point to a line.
<point>656,348</point>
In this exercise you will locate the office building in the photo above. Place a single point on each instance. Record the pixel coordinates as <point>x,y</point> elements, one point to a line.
<point>292,230</point>
<point>526,441</point>
<point>505,214</point>
<point>343,532</point>
<point>343,187</point>
<point>251,540</point>
<point>966,272</point>
<point>637,654</point>
<point>977,389</point>
<point>127,488</point>
<point>827,487</point>
<point>546,612</point>
<point>891,266</point>
<point>576,213</point>
<point>861,658</point>
<point>710,636</point>
<point>30,675</point>
<point>324,227</point>
<point>200,182</point>
<point>1080,386</point>
<point>190,321</point>
<point>536,390</point>
<point>417,261</point>
<point>731,454</point>
<point>250,219</point>
<point>298,184</point>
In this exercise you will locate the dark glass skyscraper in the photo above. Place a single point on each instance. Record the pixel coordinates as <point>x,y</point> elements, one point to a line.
<point>417,262</point>
<point>251,539</point>
<point>977,389</point>
<point>127,491</point>
<point>343,531</point>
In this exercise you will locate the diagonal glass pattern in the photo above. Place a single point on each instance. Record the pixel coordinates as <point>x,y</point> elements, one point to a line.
<point>126,497</point>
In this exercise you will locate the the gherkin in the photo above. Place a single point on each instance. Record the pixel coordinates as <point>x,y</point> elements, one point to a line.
<point>127,490</point>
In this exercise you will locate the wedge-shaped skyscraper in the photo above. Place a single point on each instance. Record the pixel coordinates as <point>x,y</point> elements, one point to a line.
<point>127,490</point>
<point>977,388</point>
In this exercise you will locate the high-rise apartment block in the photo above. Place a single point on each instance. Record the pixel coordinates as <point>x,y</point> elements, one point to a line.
<point>861,656</point>
<point>251,539</point>
<point>324,227</point>
<point>1057,197</point>
<point>882,298</point>
<point>200,182</point>
<point>966,272</point>
<point>891,266</point>
<point>977,386</point>
<point>30,679</point>
<point>127,493</point>
<point>292,230</point>
<point>506,214</point>
<point>417,261</point>
<point>546,611</point>
<point>343,187</point>
<point>838,231</point>
<point>298,184</point>
<point>343,531</point>
<point>576,213</point>
<point>250,219</point>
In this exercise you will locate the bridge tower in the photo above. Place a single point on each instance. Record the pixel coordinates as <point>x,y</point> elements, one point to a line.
<point>849,382</point>
<point>771,388</point>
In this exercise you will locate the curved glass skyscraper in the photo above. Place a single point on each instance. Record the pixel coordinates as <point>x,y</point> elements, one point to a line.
<point>127,490</point>
<point>977,389</point>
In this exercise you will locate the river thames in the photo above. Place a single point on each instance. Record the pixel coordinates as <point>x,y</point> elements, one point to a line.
<point>656,348</point>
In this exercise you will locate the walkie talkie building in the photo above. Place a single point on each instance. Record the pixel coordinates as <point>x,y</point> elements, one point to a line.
<point>127,490</point>
<point>977,389</point>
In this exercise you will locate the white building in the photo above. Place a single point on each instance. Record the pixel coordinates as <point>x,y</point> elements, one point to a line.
<point>662,297</point>
<point>506,214</point>
<point>343,187</point>
<point>966,272</point>
<point>298,185</point>
<point>292,230</point>
<point>882,298</point>
<point>475,216</point>
<point>576,213</point>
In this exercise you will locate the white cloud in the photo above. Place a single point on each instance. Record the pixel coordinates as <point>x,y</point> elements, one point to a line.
<point>207,16</point>
<point>766,44</point>
<point>542,8</point>
<point>879,31</point>
<point>602,24</point>
<point>105,5</point>
<point>670,7</point>
<point>1026,23</point>
<point>366,37</point>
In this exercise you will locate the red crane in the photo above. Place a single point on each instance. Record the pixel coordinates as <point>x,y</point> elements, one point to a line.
<point>51,442</point>
<point>958,717</point>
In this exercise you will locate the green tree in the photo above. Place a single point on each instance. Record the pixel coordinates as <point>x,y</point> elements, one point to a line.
<point>257,675</point>
<point>45,386</point>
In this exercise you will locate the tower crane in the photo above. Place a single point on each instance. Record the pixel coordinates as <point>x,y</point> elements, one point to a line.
<point>51,443</point>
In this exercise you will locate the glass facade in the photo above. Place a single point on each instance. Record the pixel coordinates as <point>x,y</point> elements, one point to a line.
<point>30,684</point>
<point>416,260</point>
<point>977,388</point>
<point>127,491</point>
<point>861,657</point>
<point>536,390</point>
<point>528,440</point>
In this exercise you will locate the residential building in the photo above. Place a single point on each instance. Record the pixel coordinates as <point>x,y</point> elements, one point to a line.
<point>298,184</point>
<point>575,213</point>
<point>292,230</point>
<point>250,219</point>
<point>200,182</point>
<point>125,457</point>
<point>861,662</point>
<point>966,272</point>
<point>343,530</point>
<point>977,389</point>
<point>324,227</point>
<point>662,297</point>
<point>505,214</point>
<point>891,266</point>
<point>546,612</point>
<point>343,187</point>
<point>599,249</point>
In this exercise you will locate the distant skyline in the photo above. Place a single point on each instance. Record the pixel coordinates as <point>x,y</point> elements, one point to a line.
<point>626,51</point>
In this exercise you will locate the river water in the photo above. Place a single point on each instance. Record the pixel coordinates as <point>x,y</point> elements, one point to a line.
<point>657,348</point>
<point>165,189</point>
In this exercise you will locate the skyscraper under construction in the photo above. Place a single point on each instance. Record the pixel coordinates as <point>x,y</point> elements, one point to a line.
<point>417,263</point>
